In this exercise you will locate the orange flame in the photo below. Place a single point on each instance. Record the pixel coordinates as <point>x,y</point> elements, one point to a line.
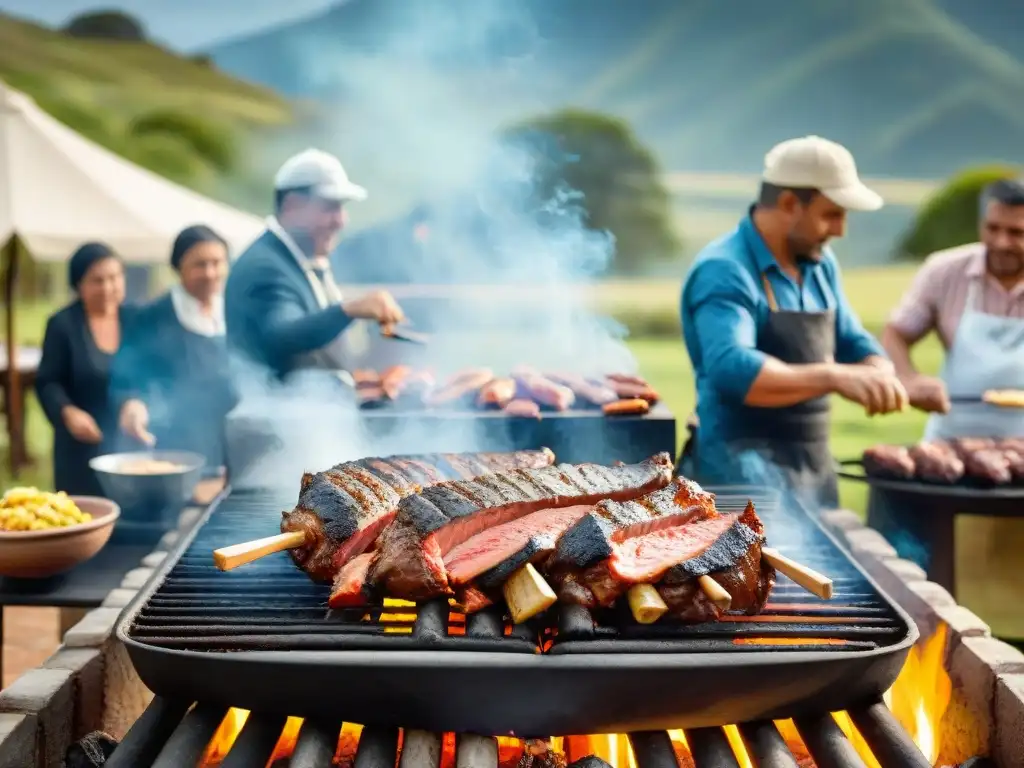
<point>918,699</point>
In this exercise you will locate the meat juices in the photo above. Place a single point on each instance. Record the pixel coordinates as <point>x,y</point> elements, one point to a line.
<point>342,510</point>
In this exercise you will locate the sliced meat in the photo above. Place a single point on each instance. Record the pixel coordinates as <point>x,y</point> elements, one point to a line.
<point>497,393</point>
<point>342,510</point>
<point>594,537</point>
<point>632,407</point>
<point>498,552</point>
<point>446,515</point>
<point>533,386</point>
<point>462,386</point>
<point>523,409</point>
<point>892,461</point>
<point>350,583</point>
<point>936,462</point>
<point>593,392</point>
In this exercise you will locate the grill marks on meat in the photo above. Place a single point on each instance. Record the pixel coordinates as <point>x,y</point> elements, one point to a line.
<point>431,524</point>
<point>343,509</point>
<point>593,538</point>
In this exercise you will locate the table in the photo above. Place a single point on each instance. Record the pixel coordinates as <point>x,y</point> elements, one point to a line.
<point>14,412</point>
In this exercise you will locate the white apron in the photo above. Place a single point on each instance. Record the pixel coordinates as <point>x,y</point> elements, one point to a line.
<point>987,353</point>
<point>347,347</point>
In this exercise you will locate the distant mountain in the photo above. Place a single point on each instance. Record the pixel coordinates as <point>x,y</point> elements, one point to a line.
<point>916,88</point>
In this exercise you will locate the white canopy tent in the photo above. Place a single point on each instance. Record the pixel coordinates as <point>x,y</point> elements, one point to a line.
<point>59,190</point>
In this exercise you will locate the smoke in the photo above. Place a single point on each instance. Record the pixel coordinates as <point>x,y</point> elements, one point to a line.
<point>420,104</point>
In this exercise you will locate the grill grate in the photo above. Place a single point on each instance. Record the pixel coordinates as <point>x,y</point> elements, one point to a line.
<point>270,604</point>
<point>173,734</point>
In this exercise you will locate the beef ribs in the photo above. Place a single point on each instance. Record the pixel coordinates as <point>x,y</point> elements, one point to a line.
<point>343,509</point>
<point>431,525</point>
<point>892,461</point>
<point>673,558</point>
<point>594,536</point>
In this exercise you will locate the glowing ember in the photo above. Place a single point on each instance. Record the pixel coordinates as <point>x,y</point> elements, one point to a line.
<point>918,699</point>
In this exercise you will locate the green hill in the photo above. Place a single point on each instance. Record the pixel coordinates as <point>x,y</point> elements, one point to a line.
<point>112,91</point>
<point>911,86</point>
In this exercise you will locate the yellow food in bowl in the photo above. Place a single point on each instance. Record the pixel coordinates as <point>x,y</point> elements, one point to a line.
<point>29,509</point>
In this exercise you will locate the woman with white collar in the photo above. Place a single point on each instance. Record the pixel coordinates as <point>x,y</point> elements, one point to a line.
<point>171,376</point>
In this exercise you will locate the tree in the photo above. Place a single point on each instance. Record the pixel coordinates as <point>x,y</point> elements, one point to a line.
<point>106,25</point>
<point>950,217</point>
<point>617,178</point>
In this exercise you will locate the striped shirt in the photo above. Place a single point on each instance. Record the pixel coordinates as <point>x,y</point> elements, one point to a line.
<point>937,297</point>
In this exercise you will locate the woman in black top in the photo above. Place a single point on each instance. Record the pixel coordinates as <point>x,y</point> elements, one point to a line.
<point>72,381</point>
<point>171,376</point>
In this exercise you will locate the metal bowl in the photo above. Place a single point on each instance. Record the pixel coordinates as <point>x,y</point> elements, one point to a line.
<point>38,554</point>
<point>148,492</point>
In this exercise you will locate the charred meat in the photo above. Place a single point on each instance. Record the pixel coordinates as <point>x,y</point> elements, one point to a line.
<point>343,509</point>
<point>453,524</point>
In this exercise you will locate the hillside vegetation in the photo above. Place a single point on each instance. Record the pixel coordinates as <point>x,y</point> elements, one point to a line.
<point>710,84</point>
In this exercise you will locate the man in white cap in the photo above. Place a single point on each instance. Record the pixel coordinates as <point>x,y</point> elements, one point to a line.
<point>283,310</point>
<point>771,335</point>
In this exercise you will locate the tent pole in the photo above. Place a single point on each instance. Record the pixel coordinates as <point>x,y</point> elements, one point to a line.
<point>13,399</point>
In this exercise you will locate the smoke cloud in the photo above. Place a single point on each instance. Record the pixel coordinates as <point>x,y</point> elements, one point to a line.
<point>411,125</point>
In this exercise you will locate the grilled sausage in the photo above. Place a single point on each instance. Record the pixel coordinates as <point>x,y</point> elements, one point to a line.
<point>593,392</point>
<point>937,462</point>
<point>626,378</point>
<point>543,390</point>
<point>497,393</point>
<point>391,380</point>
<point>990,465</point>
<point>461,385</point>
<point>369,391</point>
<point>633,407</point>
<point>629,390</point>
<point>523,408</point>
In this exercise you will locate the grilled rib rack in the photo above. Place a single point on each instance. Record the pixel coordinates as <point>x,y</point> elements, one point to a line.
<point>261,638</point>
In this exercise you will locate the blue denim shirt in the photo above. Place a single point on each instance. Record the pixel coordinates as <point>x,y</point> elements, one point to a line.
<point>723,307</point>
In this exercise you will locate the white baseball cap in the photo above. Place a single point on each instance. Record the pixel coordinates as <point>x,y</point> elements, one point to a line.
<point>812,162</point>
<point>322,173</point>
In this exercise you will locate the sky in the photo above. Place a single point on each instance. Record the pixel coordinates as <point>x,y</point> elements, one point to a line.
<point>186,25</point>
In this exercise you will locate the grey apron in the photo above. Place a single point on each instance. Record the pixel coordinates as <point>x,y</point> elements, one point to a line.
<point>793,440</point>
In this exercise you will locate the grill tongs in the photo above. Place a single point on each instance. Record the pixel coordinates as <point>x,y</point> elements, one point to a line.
<point>1001,398</point>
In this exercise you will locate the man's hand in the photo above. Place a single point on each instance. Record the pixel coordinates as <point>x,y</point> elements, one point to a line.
<point>928,394</point>
<point>81,425</point>
<point>877,361</point>
<point>877,389</point>
<point>379,305</point>
<point>134,422</point>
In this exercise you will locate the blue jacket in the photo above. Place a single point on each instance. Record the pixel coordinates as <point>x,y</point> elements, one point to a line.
<point>271,312</point>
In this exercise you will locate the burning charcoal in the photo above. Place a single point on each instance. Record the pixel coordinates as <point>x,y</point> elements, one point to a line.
<point>590,761</point>
<point>91,752</point>
<point>537,753</point>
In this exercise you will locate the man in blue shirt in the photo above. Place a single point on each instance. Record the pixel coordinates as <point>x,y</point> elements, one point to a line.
<point>772,336</point>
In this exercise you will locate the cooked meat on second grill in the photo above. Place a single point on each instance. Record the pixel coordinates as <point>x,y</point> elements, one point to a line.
<point>461,386</point>
<point>593,392</point>
<point>497,393</point>
<point>343,510</point>
<point>988,465</point>
<point>936,462</point>
<point>411,553</point>
<point>542,390</point>
<point>523,409</point>
<point>889,461</point>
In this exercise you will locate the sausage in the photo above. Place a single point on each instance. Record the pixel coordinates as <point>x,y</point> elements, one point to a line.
<point>369,391</point>
<point>633,407</point>
<point>990,465</point>
<point>937,462</point>
<point>497,392</point>
<point>523,408</point>
<point>629,390</point>
<point>593,392</point>
<point>544,391</point>
<point>392,379</point>
<point>626,378</point>
<point>459,386</point>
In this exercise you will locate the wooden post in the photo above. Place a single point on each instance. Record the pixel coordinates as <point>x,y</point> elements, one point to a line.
<point>15,411</point>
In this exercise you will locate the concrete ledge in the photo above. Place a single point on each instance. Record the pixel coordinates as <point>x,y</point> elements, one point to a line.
<point>46,698</point>
<point>18,747</point>
<point>1008,740</point>
<point>94,630</point>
